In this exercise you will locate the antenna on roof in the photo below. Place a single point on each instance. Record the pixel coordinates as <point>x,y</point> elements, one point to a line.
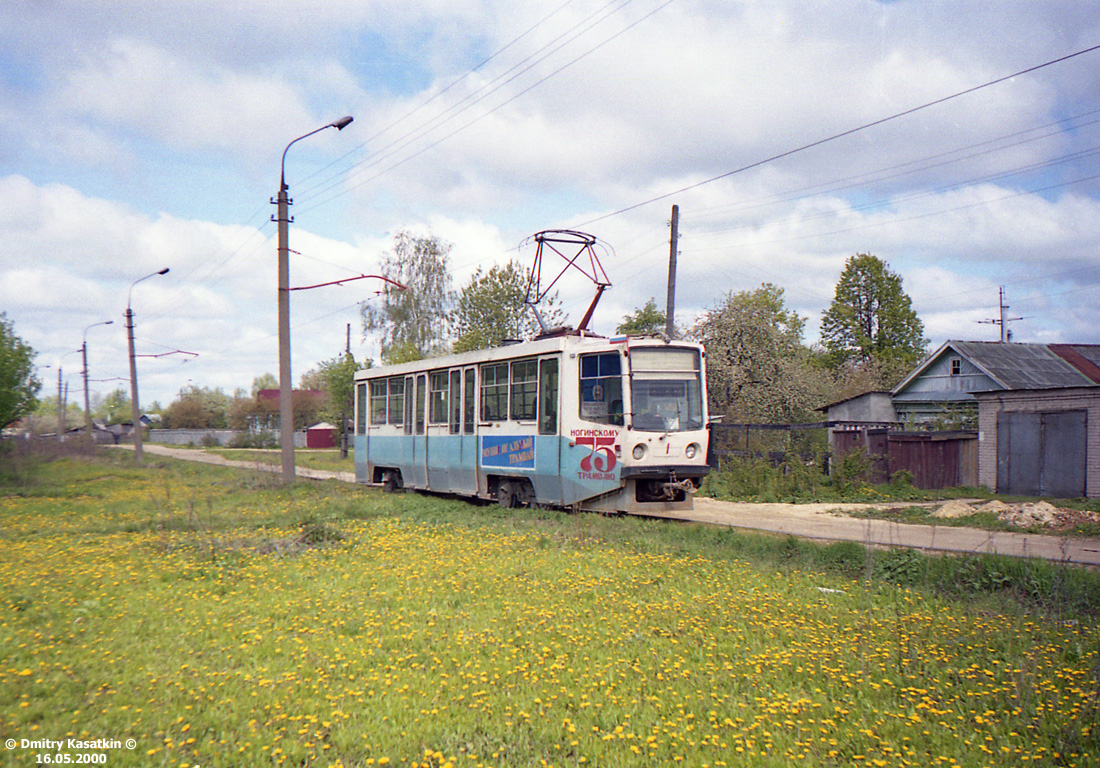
<point>1006,334</point>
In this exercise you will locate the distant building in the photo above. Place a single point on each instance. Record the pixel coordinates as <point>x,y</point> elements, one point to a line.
<point>945,383</point>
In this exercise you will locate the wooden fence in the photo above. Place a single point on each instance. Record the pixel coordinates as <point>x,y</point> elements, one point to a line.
<point>934,459</point>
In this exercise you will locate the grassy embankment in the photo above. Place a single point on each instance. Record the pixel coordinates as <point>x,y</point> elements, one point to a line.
<point>219,619</point>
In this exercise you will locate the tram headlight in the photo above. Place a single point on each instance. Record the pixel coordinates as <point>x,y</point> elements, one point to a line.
<point>639,452</point>
<point>691,450</point>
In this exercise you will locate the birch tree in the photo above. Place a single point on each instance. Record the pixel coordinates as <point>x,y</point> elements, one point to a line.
<point>414,323</point>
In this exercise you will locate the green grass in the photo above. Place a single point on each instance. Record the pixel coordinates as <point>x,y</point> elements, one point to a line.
<point>756,480</point>
<point>220,619</point>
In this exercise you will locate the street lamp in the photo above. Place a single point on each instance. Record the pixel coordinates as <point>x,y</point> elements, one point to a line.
<point>134,410</point>
<point>286,408</point>
<point>87,406</point>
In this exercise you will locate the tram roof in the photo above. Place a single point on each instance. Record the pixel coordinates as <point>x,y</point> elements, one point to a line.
<point>522,349</point>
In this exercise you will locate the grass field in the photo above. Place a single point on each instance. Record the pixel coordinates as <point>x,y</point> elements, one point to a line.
<point>219,619</point>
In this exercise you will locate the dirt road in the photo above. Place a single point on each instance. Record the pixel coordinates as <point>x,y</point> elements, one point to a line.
<point>808,521</point>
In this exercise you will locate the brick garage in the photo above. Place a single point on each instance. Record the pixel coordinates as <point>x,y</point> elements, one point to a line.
<point>1040,442</point>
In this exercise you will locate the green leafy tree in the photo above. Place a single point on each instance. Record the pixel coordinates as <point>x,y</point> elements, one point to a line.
<point>336,378</point>
<point>44,417</point>
<point>757,368</point>
<point>871,322</point>
<point>197,408</point>
<point>266,381</point>
<point>18,385</point>
<point>414,321</point>
<point>114,408</point>
<point>492,308</point>
<point>648,319</point>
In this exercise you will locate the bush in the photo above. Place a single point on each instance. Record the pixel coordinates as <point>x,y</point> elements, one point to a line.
<point>262,440</point>
<point>757,479</point>
<point>852,470</point>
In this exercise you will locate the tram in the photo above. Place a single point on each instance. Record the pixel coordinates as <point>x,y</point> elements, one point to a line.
<point>615,425</point>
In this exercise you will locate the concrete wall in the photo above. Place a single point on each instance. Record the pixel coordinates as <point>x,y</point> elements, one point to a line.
<point>872,406</point>
<point>1038,401</point>
<point>196,436</point>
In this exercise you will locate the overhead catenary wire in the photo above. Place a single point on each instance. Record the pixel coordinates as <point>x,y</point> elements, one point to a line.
<point>842,134</point>
<point>781,155</point>
<point>325,183</point>
<point>491,111</point>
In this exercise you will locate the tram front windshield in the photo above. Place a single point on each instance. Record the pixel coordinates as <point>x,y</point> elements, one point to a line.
<point>666,389</point>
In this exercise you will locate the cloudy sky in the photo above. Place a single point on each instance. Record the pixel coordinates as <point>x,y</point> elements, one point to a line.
<point>136,135</point>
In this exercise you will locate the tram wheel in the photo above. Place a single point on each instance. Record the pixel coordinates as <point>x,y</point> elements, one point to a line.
<point>389,482</point>
<point>506,495</point>
<point>526,495</point>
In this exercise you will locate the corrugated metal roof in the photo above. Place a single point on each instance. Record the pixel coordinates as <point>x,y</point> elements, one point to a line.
<point>1022,366</point>
<point>1083,357</point>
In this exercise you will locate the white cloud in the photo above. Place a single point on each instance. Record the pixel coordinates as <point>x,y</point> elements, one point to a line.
<point>179,96</point>
<point>150,91</point>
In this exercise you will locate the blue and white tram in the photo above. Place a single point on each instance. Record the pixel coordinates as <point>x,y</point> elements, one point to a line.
<point>578,421</point>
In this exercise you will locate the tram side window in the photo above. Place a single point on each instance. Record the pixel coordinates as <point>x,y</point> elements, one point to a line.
<point>379,396</point>
<point>456,401</point>
<point>408,403</point>
<point>437,394</point>
<point>421,387</point>
<point>397,401</point>
<point>494,392</point>
<point>602,388</point>
<point>548,397</point>
<point>469,401</point>
<point>524,389</point>
<point>361,408</point>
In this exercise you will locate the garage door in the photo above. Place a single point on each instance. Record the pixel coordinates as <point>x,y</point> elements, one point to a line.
<point>1041,454</point>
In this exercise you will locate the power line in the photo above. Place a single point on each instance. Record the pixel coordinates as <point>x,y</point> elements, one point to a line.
<point>503,104</point>
<point>916,195</point>
<point>434,96</point>
<point>879,175</point>
<point>842,134</point>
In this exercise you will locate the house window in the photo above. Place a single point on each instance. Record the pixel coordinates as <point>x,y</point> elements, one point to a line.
<point>956,366</point>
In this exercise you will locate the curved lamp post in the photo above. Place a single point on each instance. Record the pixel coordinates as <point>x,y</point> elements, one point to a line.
<point>87,406</point>
<point>134,409</point>
<point>286,408</point>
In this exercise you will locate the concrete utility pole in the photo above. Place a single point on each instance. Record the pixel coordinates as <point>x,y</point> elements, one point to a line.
<point>135,409</point>
<point>286,386</point>
<point>87,404</point>
<point>670,306</point>
<point>60,411</point>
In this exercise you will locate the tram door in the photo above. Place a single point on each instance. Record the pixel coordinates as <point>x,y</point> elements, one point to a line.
<point>416,393</point>
<point>548,485</point>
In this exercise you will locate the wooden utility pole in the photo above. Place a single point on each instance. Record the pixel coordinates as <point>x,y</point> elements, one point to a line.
<point>1002,321</point>
<point>670,305</point>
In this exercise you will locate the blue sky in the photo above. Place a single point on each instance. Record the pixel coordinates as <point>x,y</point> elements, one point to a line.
<point>137,135</point>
